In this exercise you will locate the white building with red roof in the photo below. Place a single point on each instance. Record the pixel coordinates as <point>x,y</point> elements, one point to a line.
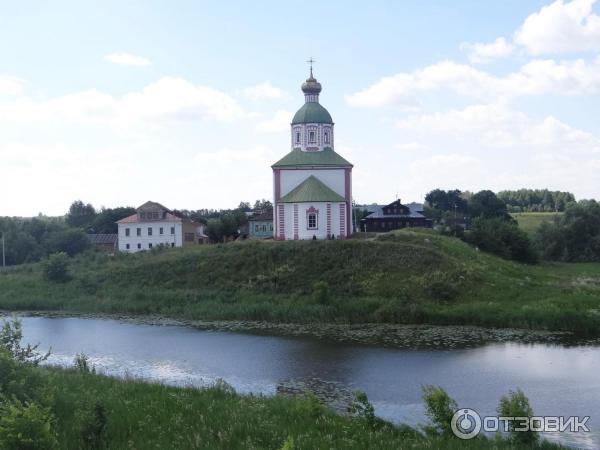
<point>154,225</point>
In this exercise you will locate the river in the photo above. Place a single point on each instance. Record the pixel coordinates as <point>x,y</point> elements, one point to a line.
<point>558,380</point>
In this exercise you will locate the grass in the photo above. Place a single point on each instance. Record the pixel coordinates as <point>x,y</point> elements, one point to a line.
<point>140,415</point>
<point>410,277</point>
<point>530,221</point>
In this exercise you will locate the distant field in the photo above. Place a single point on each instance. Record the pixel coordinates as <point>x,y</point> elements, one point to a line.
<point>530,221</point>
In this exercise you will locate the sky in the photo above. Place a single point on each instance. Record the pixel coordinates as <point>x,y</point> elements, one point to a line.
<point>188,103</point>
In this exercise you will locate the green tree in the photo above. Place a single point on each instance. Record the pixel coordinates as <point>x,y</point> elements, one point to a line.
<point>262,205</point>
<point>440,408</point>
<point>70,241</point>
<point>81,215</point>
<point>21,247</point>
<point>105,220</point>
<point>516,404</point>
<point>486,204</point>
<point>503,238</point>
<point>56,267</point>
<point>447,200</point>
<point>574,236</point>
<point>11,335</point>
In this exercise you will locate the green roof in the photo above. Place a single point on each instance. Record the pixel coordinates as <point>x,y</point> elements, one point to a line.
<point>311,190</point>
<point>327,157</point>
<point>312,112</point>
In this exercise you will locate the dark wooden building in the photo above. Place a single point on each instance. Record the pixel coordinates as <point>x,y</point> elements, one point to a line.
<point>104,242</point>
<point>393,217</point>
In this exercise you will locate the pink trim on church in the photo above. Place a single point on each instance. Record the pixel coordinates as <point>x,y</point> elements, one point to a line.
<point>342,221</point>
<point>348,179</point>
<point>281,227</point>
<point>296,222</point>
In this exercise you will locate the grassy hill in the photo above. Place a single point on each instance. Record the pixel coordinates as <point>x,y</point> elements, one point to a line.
<point>403,277</point>
<point>530,221</point>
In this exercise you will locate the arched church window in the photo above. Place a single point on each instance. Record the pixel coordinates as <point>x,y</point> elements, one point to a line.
<point>297,137</point>
<point>311,137</point>
<point>312,221</point>
<point>326,137</point>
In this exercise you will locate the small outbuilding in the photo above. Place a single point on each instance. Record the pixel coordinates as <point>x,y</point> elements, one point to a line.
<point>260,225</point>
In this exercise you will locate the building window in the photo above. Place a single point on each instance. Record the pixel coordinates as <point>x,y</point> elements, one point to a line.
<point>138,231</point>
<point>297,137</point>
<point>139,245</point>
<point>189,237</point>
<point>264,228</point>
<point>150,245</point>
<point>161,230</point>
<point>127,232</point>
<point>256,228</point>
<point>326,137</point>
<point>149,231</point>
<point>142,215</point>
<point>155,215</point>
<point>172,230</point>
<point>311,137</point>
<point>270,227</point>
<point>127,246</point>
<point>312,221</point>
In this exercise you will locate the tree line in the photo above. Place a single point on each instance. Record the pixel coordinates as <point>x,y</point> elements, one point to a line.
<point>483,220</point>
<point>32,239</point>
<point>536,200</point>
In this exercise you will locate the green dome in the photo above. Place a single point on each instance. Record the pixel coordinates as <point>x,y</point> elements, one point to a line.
<point>312,112</point>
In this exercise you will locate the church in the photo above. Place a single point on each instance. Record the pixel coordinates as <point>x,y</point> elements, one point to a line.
<point>312,184</point>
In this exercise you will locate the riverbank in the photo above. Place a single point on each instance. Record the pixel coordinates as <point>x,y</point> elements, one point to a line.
<point>76,409</point>
<point>407,277</point>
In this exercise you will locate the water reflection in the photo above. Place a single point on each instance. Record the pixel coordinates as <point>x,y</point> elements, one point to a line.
<point>558,380</point>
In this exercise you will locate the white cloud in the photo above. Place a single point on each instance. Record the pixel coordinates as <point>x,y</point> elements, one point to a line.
<point>411,146</point>
<point>280,122</point>
<point>168,99</point>
<point>264,90</point>
<point>10,85</point>
<point>534,78</point>
<point>127,59</point>
<point>448,171</point>
<point>497,126</point>
<point>495,147</point>
<point>255,154</point>
<point>479,53</point>
<point>561,27</point>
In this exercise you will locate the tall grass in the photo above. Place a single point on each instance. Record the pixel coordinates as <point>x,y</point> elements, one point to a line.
<point>403,277</point>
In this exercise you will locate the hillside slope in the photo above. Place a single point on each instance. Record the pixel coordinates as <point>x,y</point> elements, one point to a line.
<point>403,277</point>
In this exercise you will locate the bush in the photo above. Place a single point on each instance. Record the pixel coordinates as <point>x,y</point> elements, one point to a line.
<point>574,236</point>
<point>93,429</point>
<point>320,292</point>
<point>516,404</point>
<point>70,241</point>
<point>82,363</point>
<point>26,426</point>
<point>55,267</point>
<point>440,408</point>
<point>439,287</point>
<point>10,343</point>
<point>362,408</point>
<point>503,238</point>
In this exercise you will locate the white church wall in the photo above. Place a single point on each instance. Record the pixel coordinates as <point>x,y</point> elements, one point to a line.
<point>321,209</point>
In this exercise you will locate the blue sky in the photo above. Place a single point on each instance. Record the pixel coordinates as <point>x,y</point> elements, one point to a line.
<point>188,103</point>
